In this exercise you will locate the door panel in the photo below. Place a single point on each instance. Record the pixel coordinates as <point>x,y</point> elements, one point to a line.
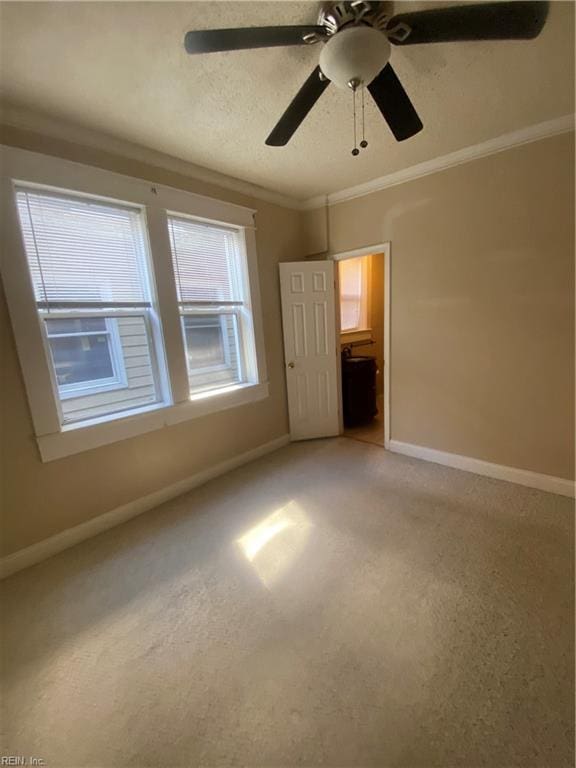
<point>310,353</point>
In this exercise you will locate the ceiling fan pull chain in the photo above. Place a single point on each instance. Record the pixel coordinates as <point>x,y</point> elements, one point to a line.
<point>363,143</point>
<point>355,151</point>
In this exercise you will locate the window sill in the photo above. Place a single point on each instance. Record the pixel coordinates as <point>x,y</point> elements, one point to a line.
<point>364,335</point>
<point>76,438</point>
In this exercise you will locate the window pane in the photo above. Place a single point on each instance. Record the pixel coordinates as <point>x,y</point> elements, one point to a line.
<point>204,341</point>
<point>206,261</point>
<point>82,250</point>
<point>353,293</point>
<point>100,372</point>
<point>81,358</point>
<point>349,314</point>
<point>351,277</point>
<point>211,351</point>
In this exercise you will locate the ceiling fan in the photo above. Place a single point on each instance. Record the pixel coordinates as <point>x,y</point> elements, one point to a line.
<point>356,37</point>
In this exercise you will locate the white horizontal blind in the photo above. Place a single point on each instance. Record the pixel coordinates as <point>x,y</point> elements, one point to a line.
<point>206,262</point>
<point>82,252</point>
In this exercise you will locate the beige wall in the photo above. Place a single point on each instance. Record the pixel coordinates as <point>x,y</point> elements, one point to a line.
<point>39,499</point>
<point>375,319</point>
<point>482,333</point>
<point>482,284</point>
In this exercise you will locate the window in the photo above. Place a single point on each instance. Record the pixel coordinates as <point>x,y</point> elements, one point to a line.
<point>209,268</point>
<point>89,268</point>
<point>353,275</point>
<point>127,318</point>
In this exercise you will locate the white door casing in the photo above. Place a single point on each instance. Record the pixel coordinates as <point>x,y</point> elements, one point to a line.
<point>310,350</point>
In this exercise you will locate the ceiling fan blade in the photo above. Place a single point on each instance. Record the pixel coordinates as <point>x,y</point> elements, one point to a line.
<point>519,20</point>
<point>213,40</point>
<point>392,100</point>
<point>299,107</point>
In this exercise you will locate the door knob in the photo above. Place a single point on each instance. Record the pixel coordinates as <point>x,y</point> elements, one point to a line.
<point>290,365</point>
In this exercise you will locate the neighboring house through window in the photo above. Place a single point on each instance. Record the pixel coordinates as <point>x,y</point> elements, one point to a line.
<point>86,354</point>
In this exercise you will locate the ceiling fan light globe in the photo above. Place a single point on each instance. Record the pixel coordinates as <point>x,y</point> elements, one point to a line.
<point>354,54</point>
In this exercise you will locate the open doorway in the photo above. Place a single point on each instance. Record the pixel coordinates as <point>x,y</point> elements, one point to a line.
<point>364,325</point>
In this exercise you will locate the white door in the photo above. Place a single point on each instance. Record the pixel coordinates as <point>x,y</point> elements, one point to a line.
<point>308,318</point>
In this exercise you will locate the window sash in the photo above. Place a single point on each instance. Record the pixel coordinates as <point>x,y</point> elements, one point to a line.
<point>230,261</point>
<point>93,386</point>
<point>62,395</point>
<point>350,306</point>
<point>57,226</point>
<point>238,341</point>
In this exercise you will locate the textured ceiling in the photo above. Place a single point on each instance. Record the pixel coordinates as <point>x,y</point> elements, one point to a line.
<point>121,69</point>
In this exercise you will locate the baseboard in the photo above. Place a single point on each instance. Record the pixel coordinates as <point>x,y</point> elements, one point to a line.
<point>24,558</point>
<point>497,471</point>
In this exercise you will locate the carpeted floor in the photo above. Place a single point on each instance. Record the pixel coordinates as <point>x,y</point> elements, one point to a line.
<point>331,604</point>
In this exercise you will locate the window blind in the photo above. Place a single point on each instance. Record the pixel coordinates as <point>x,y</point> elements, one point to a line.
<point>82,251</point>
<point>206,261</point>
<point>351,293</point>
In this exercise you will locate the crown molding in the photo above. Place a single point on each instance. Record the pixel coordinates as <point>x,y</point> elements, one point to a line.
<point>492,146</point>
<point>23,119</point>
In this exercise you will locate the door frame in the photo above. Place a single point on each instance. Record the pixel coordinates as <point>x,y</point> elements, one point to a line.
<point>369,250</point>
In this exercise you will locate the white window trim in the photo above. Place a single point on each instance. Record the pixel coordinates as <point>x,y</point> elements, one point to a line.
<point>54,441</point>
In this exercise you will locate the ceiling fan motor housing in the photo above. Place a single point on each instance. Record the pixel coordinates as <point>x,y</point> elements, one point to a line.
<point>354,56</point>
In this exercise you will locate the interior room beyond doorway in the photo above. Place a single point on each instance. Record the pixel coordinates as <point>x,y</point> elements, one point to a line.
<point>361,282</point>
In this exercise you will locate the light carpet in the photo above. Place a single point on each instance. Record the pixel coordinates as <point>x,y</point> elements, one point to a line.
<point>330,604</point>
